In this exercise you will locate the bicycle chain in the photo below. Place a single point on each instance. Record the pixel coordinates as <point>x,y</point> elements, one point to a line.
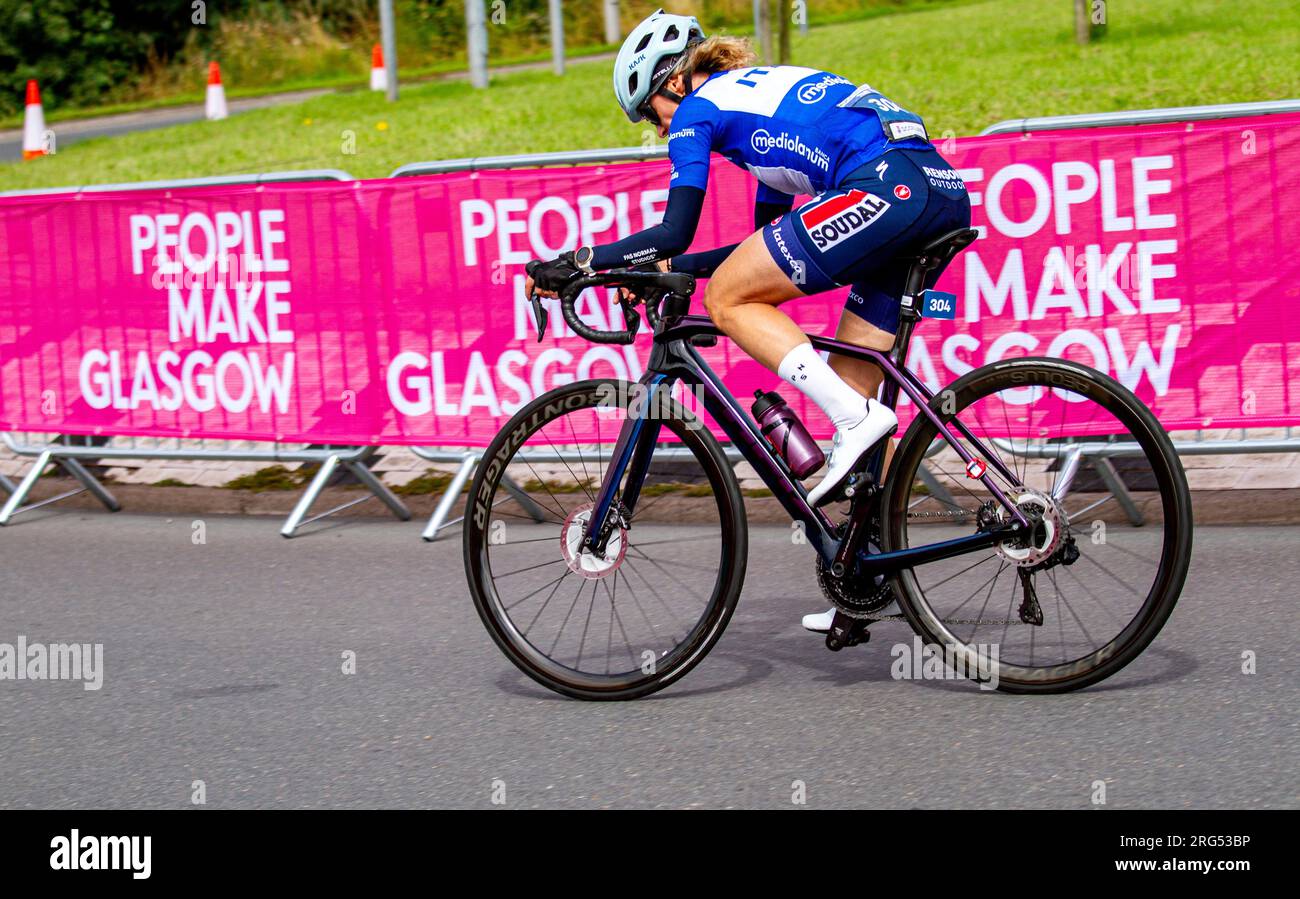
<point>950,514</point>
<point>872,618</point>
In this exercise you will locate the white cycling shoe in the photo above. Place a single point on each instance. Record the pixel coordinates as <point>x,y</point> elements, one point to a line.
<point>850,445</point>
<point>820,622</point>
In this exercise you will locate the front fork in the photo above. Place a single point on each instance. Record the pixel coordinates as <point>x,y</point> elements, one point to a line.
<point>631,456</point>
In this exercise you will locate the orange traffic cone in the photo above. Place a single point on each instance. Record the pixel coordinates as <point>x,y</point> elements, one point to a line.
<point>216,103</point>
<point>378,74</point>
<point>33,124</point>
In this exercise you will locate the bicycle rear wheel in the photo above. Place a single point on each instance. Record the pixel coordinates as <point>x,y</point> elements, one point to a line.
<point>1091,587</point>
<point>632,620</point>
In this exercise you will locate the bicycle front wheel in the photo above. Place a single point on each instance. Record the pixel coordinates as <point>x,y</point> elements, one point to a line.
<point>633,619</point>
<point>1092,584</point>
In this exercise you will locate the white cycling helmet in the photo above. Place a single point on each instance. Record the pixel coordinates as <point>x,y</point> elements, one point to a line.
<point>647,57</point>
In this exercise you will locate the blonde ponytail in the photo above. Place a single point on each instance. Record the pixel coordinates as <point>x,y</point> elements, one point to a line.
<point>719,53</point>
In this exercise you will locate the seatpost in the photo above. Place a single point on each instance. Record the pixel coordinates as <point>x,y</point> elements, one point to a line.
<point>909,313</point>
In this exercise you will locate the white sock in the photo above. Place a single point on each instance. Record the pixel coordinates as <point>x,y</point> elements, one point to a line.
<point>804,367</point>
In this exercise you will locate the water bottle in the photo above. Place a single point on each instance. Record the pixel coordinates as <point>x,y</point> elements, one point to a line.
<point>786,433</point>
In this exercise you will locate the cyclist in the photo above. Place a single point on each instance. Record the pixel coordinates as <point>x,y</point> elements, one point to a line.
<point>879,189</point>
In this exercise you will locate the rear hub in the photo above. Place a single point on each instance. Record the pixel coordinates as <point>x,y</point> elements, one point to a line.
<point>1048,530</point>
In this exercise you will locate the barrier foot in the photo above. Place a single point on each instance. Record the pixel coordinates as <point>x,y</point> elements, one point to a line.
<point>310,495</point>
<point>937,490</point>
<point>1069,468</point>
<point>91,483</point>
<point>1106,471</point>
<point>529,504</point>
<point>361,471</point>
<point>439,518</point>
<point>14,504</point>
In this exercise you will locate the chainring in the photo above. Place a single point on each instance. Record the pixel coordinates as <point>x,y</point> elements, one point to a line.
<point>857,596</point>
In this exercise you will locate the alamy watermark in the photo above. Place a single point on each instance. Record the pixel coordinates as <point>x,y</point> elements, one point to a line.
<point>952,661</point>
<point>53,661</point>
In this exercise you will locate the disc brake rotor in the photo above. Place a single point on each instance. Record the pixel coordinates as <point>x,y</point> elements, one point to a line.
<point>1050,528</point>
<point>580,559</point>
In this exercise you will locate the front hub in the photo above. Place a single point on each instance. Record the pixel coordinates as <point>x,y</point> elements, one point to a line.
<point>579,557</point>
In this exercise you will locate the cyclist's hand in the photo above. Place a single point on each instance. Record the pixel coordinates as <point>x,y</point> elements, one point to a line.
<point>625,293</point>
<point>549,277</point>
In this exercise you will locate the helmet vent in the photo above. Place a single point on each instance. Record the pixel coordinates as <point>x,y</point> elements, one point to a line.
<point>672,33</point>
<point>645,41</point>
<point>631,83</point>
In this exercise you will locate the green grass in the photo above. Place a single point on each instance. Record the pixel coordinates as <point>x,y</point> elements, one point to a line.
<point>274,477</point>
<point>963,67</point>
<point>346,81</point>
<point>431,481</point>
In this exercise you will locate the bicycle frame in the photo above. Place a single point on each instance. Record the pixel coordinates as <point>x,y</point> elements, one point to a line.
<point>675,356</point>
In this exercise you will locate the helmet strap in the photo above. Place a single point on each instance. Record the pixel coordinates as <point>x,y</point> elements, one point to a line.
<point>671,95</point>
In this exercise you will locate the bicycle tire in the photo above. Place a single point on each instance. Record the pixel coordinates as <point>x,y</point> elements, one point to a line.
<point>709,628</point>
<point>1166,468</point>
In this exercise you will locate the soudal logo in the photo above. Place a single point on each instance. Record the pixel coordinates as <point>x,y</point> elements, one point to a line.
<point>763,141</point>
<point>814,91</point>
<point>831,222</point>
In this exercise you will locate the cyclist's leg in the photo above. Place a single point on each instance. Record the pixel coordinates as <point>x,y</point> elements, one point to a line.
<point>742,297</point>
<point>870,316</point>
<point>870,319</point>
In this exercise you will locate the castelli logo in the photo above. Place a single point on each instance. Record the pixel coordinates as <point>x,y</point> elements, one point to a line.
<point>902,191</point>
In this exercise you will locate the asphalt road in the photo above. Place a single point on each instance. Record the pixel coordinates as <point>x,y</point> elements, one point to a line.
<point>223,664</point>
<point>71,131</point>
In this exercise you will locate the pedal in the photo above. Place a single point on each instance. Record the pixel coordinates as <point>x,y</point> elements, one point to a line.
<point>858,480</point>
<point>846,631</point>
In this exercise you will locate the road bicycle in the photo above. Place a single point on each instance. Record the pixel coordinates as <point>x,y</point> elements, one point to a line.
<point>1034,507</point>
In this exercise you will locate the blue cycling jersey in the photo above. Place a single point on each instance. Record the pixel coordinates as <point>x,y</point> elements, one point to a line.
<point>797,130</point>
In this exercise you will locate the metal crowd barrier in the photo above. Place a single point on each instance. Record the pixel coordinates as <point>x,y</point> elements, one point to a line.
<point>531,160</point>
<point>65,452</point>
<point>1095,454</point>
<point>355,459</point>
<point>468,459</point>
<point>1142,116</point>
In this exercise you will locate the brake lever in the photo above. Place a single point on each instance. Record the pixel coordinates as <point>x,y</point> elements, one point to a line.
<point>631,317</point>
<point>540,315</point>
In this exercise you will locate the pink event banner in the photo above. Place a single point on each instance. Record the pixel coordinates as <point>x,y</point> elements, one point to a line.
<point>393,311</point>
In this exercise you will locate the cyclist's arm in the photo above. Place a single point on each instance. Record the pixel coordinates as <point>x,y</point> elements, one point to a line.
<point>768,205</point>
<point>668,238</point>
<point>689,146</point>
